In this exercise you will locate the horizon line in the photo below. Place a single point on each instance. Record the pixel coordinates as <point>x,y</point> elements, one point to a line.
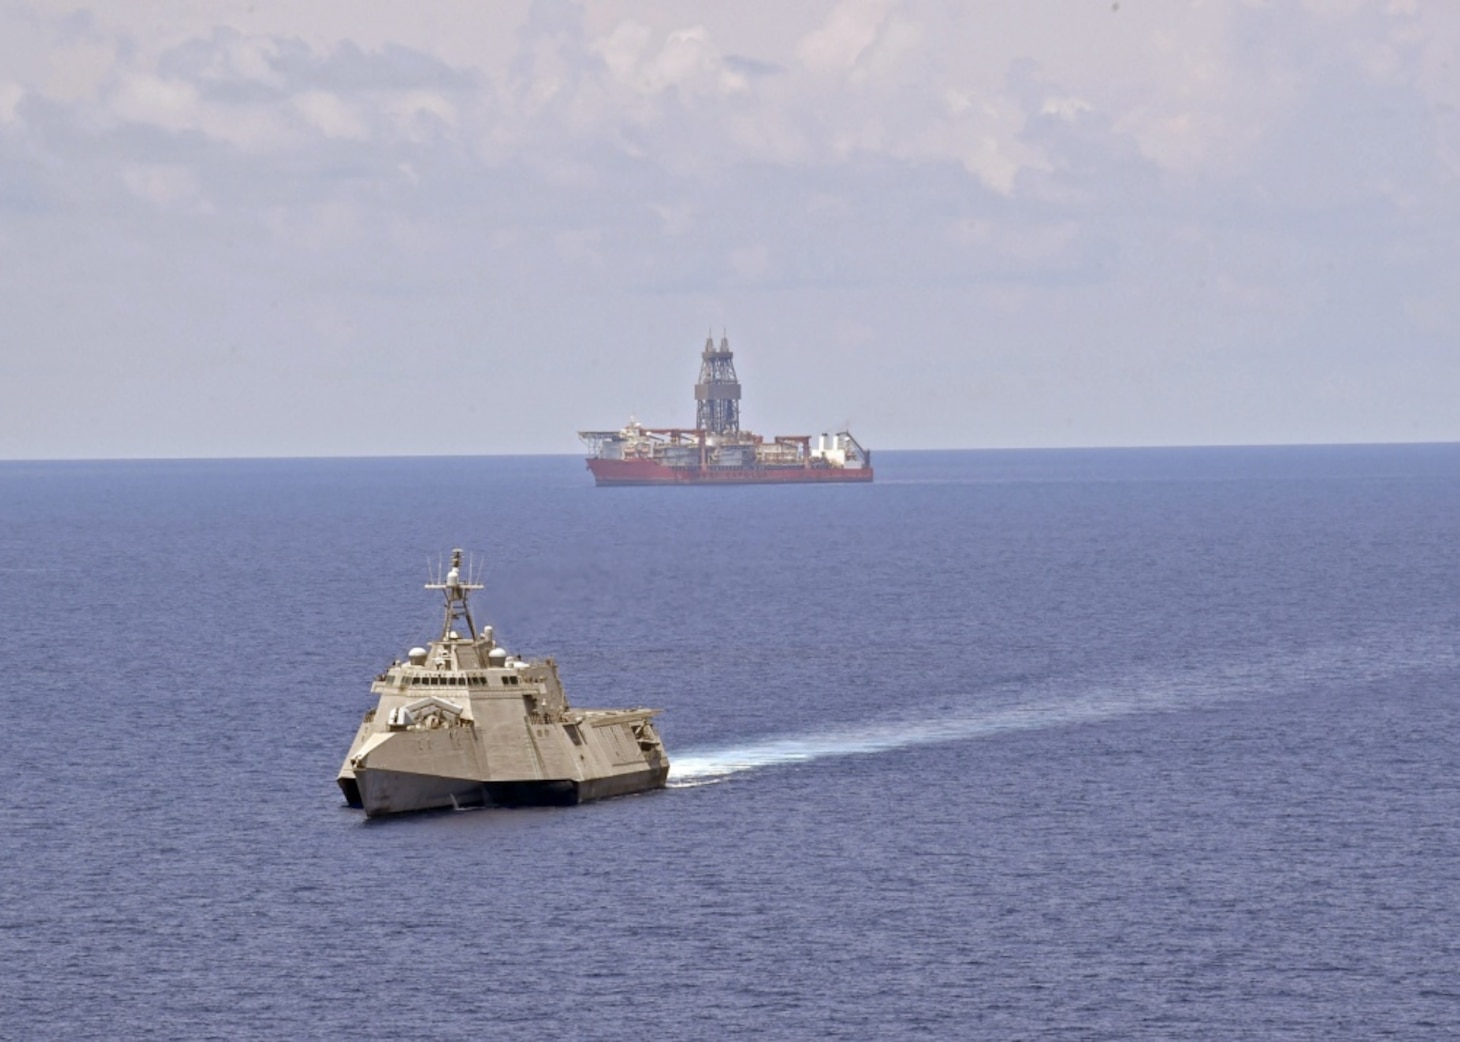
<point>575,455</point>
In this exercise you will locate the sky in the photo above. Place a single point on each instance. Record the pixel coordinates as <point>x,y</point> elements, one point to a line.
<point>366,227</point>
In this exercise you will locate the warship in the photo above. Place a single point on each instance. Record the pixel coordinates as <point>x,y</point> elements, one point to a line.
<point>463,723</point>
<point>716,451</point>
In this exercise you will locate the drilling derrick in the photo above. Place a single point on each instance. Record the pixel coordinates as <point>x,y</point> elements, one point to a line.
<point>717,395</point>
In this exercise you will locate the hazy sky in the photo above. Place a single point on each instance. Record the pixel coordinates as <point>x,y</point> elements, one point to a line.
<point>362,227</point>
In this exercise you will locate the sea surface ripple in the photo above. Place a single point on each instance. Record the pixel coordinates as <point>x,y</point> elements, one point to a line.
<point>1137,744</point>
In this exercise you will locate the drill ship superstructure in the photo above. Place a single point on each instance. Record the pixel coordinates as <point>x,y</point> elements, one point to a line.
<point>463,722</point>
<point>716,450</point>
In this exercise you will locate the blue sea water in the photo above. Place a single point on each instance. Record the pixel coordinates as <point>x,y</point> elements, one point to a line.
<point>1139,744</point>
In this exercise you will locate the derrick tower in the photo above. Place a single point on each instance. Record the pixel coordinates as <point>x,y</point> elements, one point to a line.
<point>717,395</point>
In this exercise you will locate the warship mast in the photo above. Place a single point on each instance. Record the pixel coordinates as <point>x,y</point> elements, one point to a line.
<point>455,592</point>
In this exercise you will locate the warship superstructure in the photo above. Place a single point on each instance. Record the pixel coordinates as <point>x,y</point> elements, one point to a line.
<point>463,722</point>
<point>716,451</point>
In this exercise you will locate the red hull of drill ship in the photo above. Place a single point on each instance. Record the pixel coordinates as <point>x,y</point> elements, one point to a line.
<point>648,472</point>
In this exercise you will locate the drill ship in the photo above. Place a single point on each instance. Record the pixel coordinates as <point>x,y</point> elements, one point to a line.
<point>716,451</point>
<point>465,723</point>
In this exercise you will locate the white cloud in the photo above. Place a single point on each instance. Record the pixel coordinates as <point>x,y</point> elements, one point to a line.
<point>676,218</point>
<point>688,61</point>
<point>162,185</point>
<point>167,103</point>
<point>331,116</point>
<point>1340,8</point>
<point>250,59</point>
<point>622,49</point>
<point>860,78</point>
<point>1068,108</point>
<point>78,70</point>
<point>11,95</point>
<point>687,55</point>
<point>897,42</point>
<point>177,106</point>
<point>838,44</point>
<point>419,114</point>
<point>984,137</point>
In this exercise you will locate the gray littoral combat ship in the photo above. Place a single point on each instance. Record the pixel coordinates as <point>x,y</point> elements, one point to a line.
<point>464,723</point>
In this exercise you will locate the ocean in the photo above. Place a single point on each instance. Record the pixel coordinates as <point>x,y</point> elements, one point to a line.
<point>1100,744</point>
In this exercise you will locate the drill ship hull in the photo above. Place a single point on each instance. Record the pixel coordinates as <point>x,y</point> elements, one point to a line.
<point>652,472</point>
<point>716,451</point>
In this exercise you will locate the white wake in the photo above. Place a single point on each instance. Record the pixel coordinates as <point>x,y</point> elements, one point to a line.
<point>1044,705</point>
<point>698,766</point>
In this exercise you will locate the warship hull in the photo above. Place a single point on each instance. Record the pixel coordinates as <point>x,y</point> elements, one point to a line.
<point>493,762</point>
<point>382,792</point>
<point>651,472</point>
